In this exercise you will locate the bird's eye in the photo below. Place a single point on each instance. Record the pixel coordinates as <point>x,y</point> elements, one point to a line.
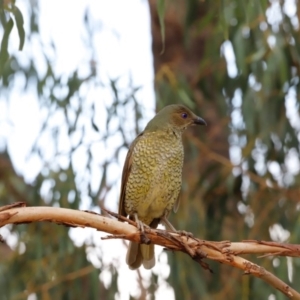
<point>184,115</point>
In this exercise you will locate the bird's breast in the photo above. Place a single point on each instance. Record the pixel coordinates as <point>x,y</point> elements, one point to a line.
<point>154,181</point>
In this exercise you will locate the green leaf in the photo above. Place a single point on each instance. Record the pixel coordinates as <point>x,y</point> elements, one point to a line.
<point>4,44</point>
<point>161,13</point>
<point>186,99</point>
<point>19,22</point>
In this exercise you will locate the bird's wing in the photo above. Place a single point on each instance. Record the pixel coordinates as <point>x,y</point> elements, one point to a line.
<point>125,175</point>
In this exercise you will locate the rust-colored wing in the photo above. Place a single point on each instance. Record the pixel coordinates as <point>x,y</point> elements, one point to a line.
<point>125,175</point>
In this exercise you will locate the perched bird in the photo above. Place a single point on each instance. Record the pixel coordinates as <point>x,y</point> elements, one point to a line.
<point>151,179</point>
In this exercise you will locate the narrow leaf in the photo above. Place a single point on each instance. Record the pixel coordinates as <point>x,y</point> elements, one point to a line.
<point>19,22</point>
<point>4,43</point>
<point>161,13</point>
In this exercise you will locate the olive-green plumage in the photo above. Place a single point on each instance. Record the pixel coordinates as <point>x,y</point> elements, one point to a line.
<point>151,179</point>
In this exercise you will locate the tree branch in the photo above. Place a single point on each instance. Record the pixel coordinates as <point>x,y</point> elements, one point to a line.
<point>224,252</point>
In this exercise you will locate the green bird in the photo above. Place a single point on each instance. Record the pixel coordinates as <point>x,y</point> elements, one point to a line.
<point>152,176</point>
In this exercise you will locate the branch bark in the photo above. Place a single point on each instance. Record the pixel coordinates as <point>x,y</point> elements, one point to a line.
<point>224,252</point>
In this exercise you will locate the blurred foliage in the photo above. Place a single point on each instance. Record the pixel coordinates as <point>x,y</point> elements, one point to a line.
<point>10,16</point>
<point>45,261</point>
<point>234,63</point>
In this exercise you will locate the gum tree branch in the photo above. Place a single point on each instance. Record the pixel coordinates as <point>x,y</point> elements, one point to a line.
<point>199,250</point>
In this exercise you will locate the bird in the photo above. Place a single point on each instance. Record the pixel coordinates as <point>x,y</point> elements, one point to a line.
<point>152,176</point>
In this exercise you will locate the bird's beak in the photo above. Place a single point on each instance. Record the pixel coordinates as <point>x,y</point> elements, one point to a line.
<point>199,121</point>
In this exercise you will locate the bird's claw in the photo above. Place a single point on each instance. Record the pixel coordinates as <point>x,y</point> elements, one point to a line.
<point>185,233</point>
<point>143,238</point>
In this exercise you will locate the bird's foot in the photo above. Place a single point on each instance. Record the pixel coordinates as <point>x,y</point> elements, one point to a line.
<point>141,227</point>
<point>144,239</point>
<point>185,233</point>
<point>170,227</point>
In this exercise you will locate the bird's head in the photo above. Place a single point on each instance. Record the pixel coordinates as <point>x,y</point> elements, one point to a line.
<point>175,116</point>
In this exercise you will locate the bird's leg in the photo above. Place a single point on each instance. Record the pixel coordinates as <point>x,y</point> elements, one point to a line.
<point>139,223</point>
<point>168,224</point>
<point>140,226</point>
<point>170,227</point>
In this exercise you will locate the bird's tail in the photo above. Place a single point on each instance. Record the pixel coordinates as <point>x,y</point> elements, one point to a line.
<point>138,254</point>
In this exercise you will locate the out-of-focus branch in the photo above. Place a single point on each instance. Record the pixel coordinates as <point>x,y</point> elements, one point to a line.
<point>223,252</point>
<point>48,285</point>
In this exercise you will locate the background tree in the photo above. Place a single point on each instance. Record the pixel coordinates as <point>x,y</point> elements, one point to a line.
<point>238,64</point>
<point>234,63</point>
